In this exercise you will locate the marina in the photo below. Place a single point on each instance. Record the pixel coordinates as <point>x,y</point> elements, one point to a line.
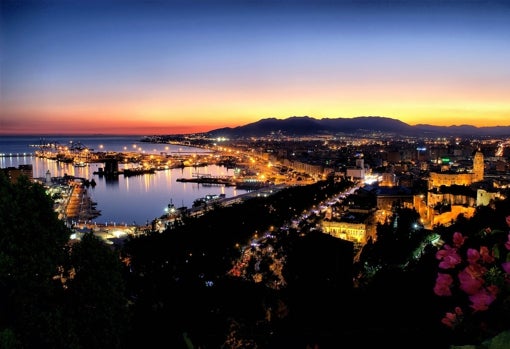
<point>124,200</point>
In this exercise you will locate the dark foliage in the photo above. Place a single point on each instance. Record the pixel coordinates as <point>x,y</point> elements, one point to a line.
<point>171,271</point>
<point>41,304</point>
<point>181,295</point>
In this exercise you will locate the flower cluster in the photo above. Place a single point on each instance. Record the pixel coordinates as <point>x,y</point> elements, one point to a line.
<point>478,269</point>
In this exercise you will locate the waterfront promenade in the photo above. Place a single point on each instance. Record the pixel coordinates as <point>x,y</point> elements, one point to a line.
<point>79,205</point>
<point>79,214</point>
<point>16,155</point>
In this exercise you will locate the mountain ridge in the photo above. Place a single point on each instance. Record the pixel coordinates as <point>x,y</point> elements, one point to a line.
<point>307,126</point>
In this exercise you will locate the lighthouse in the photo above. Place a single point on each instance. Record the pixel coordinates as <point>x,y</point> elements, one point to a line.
<point>48,177</point>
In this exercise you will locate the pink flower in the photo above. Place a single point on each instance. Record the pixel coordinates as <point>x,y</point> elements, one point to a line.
<point>486,255</point>
<point>480,301</point>
<point>448,321</point>
<point>470,280</point>
<point>449,257</point>
<point>458,311</point>
<point>451,319</point>
<point>472,255</point>
<point>506,267</point>
<point>443,284</point>
<point>493,290</point>
<point>483,273</point>
<point>458,239</point>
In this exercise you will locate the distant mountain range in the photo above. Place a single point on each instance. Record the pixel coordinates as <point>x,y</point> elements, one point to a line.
<point>362,125</point>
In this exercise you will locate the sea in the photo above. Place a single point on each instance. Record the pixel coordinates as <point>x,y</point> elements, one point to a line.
<point>123,200</point>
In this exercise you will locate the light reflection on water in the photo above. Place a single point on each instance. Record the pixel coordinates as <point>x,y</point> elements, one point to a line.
<point>136,198</point>
<point>141,198</point>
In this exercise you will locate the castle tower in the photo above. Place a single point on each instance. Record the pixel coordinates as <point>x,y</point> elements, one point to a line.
<point>478,166</point>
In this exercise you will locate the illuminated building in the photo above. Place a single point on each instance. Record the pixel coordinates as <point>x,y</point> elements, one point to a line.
<point>14,173</point>
<point>449,194</point>
<point>354,231</point>
<point>438,179</point>
<point>388,179</point>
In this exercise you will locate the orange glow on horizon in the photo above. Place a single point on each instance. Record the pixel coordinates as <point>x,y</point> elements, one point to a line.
<point>156,115</point>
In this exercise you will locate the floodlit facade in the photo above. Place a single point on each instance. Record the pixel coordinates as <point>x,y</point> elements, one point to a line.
<point>438,179</point>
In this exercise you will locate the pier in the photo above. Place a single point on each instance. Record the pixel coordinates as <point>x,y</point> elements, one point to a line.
<point>16,155</point>
<point>208,179</point>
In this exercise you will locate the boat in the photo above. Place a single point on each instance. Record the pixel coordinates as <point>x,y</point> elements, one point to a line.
<point>173,212</point>
<point>80,164</point>
<point>208,179</point>
<point>137,171</point>
<point>208,199</point>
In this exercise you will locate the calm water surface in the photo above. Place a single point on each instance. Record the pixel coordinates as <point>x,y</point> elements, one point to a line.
<point>124,199</point>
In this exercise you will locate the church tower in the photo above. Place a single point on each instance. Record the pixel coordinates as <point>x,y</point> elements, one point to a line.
<point>478,166</point>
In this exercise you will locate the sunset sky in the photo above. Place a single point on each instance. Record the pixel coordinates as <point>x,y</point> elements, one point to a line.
<point>165,67</point>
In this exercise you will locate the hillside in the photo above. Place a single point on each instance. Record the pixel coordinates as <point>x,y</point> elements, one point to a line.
<point>305,125</point>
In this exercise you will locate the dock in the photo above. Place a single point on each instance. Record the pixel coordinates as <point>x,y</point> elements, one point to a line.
<point>208,179</point>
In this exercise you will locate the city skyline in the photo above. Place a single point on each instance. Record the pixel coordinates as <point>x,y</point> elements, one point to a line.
<point>166,67</point>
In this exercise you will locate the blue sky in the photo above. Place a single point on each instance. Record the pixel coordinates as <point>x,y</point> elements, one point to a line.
<point>178,66</point>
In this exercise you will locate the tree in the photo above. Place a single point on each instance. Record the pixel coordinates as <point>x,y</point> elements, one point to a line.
<point>32,248</point>
<point>96,294</point>
<point>52,296</point>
